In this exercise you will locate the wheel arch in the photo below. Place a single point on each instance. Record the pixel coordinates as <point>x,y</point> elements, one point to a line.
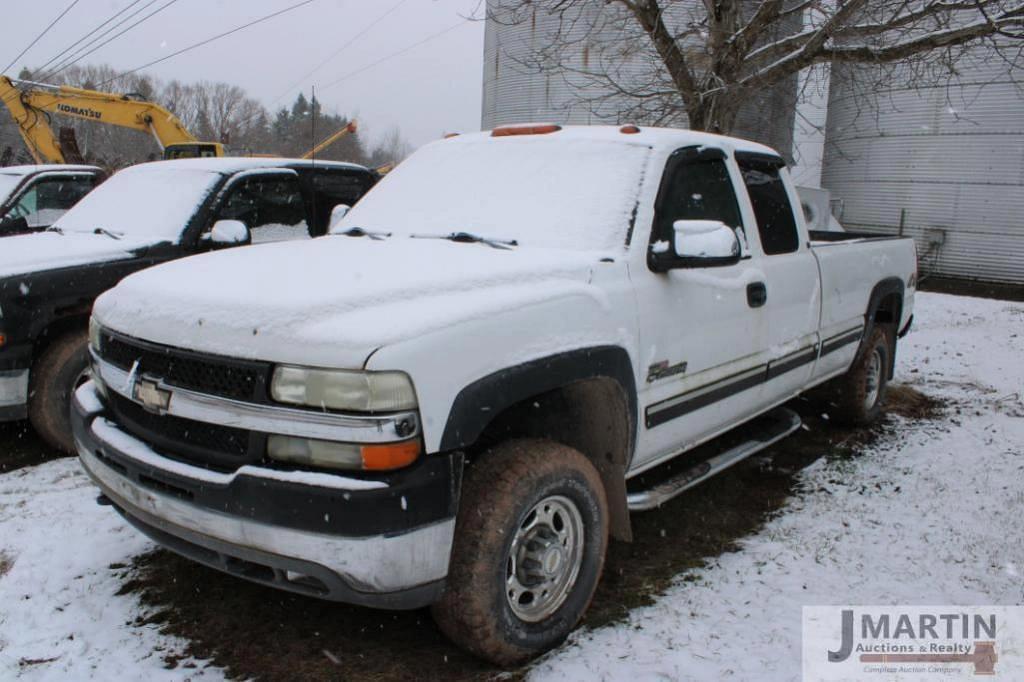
<point>584,398</point>
<point>885,307</point>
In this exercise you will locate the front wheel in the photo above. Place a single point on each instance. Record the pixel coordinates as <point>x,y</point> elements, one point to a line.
<point>530,542</point>
<point>63,367</point>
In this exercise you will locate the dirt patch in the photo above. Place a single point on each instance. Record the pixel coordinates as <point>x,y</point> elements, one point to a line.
<point>22,447</point>
<point>260,633</point>
<point>6,563</point>
<point>968,287</point>
<point>910,403</point>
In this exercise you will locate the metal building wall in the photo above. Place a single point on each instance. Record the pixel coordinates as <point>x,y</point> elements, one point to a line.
<point>513,93</point>
<point>947,162</point>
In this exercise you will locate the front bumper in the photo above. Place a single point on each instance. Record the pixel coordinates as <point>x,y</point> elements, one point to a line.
<point>13,394</point>
<point>311,533</point>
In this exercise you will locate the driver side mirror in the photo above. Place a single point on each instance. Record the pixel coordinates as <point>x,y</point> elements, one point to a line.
<point>228,233</point>
<point>696,244</point>
<point>337,213</point>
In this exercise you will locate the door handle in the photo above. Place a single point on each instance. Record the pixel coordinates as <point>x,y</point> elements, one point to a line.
<point>757,294</point>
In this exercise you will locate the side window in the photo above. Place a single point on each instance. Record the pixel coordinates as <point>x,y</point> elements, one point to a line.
<point>697,189</point>
<point>337,187</point>
<point>50,198</point>
<point>270,206</point>
<point>774,213</point>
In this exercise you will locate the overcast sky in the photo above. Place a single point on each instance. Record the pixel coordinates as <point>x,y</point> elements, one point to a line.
<point>432,89</point>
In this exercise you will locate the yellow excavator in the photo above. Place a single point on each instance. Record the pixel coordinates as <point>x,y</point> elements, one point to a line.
<point>29,103</point>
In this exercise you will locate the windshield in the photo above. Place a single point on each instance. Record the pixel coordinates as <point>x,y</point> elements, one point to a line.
<point>570,193</point>
<point>143,203</point>
<point>8,182</point>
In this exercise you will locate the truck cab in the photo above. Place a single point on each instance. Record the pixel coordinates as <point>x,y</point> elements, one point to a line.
<point>456,397</point>
<point>34,197</point>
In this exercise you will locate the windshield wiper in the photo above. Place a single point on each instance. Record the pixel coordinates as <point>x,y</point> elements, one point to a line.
<point>54,228</point>
<point>360,232</point>
<point>470,238</point>
<point>112,235</point>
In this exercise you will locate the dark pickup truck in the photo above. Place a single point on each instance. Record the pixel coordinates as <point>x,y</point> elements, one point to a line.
<point>143,215</point>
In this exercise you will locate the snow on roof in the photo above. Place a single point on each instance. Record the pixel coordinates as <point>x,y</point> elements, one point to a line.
<point>656,138</point>
<point>234,164</point>
<point>38,168</point>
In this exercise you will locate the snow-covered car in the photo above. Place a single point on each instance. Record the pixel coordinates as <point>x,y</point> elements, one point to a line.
<point>515,339</point>
<point>143,215</point>
<point>33,197</point>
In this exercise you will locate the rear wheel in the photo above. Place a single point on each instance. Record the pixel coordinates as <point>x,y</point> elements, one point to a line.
<point>530,541</point>
<point>860,393</point>
<point>63,367</point>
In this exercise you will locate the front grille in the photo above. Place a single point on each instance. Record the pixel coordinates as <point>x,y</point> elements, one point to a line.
<point>209,374</point>
<point>222,448</point>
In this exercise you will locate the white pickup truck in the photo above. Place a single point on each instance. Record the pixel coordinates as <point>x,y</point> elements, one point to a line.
<point>460,394</point>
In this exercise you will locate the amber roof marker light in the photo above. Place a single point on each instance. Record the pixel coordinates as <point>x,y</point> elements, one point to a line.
<point>529,129</point>
<point>629,129</point>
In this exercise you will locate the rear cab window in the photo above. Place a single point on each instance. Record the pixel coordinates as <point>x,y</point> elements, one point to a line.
<point>776,224</point>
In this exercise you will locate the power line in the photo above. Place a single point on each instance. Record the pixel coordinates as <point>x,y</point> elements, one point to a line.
<point>42,69</point>
<point>208,41</point>
<point>395,54</point>
<point>45,31</point>
<point>114,37</point>
<point>366,29</point>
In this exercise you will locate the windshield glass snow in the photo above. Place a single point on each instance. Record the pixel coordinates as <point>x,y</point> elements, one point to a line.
<point>143,202</point>
<point>572,194</point>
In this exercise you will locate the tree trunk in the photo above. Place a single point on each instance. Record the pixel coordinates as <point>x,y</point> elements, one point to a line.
<point>713,114</point>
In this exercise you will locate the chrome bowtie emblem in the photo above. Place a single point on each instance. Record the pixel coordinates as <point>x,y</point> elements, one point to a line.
<point>147,392</point>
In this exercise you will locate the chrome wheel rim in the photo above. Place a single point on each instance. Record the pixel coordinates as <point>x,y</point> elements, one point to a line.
<point>544,558</point>
<point>873,379</point>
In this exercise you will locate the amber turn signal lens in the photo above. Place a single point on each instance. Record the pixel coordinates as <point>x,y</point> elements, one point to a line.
<point>391,455</point>
<point>542,129</point>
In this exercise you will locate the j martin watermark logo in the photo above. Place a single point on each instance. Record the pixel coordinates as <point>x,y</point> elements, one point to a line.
<point>912,642</point>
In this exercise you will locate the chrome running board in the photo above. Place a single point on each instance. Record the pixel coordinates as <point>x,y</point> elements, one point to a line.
<point>780,423</point>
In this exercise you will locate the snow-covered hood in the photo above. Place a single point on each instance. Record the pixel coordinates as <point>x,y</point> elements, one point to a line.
<point>28,253</point>
<point>332,301</point>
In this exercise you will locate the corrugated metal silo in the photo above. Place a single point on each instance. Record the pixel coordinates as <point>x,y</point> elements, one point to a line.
<point>515,92</point>
<point>944,164</point>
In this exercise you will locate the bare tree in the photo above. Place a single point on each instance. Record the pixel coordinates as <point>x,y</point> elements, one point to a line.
<point>390,148</point>
<point>699,62</point>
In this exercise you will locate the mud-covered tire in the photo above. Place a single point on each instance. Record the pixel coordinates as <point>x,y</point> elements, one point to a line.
<point>859,395</point>
<point>55,376</point>
<point>500,496</point>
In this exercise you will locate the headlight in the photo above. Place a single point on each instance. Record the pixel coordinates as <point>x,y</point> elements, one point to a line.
<point>333,455</point>
<point>343,389</point>
<point>94,334</point>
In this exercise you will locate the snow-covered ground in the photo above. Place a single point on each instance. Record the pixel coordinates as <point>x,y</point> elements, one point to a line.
<point>927,518</point>
<point>932,518</point>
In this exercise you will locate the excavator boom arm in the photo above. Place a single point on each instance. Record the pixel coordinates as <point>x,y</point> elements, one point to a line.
<point>110,108</point>
<point>32,124</point>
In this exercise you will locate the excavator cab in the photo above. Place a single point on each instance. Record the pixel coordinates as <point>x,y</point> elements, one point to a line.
<point>193,150</point>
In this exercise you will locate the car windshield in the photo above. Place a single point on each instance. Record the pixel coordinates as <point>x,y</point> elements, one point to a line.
<point>144,202</point>
<point>8,181</point>
<point>568,193</point>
